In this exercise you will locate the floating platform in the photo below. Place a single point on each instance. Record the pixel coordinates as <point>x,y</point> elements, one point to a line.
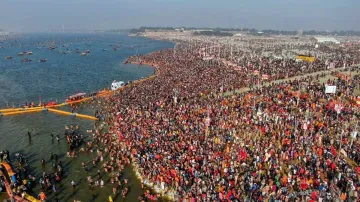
<point>40,109</point>
<point>73,114</point>
<point>29,110</point>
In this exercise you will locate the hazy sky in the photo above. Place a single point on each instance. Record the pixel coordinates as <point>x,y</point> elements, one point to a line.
<point>41,15</point>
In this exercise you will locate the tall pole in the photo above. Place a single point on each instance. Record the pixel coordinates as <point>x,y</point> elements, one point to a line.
<point>355,132</point>
<point>338,124</point>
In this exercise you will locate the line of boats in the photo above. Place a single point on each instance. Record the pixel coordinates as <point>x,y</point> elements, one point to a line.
<point>53,47</point>
<point>87,52</point>
<point>25,60</point>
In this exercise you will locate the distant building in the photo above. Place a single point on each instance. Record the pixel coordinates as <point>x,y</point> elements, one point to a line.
<point>323,39</point>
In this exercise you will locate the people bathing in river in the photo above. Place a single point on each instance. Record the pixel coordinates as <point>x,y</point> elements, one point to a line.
<point>73,137</point>
<point>4,156</point>
<point>73,184</point>
<point>29,105</point>
<point>29,135</point>
<point>42,196</point>
<point>20,180</point>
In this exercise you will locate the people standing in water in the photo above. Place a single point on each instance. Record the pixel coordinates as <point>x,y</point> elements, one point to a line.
<point>111,159</point>
<point>29,135</point>
<point>73,184</point>
<point>43,162</point>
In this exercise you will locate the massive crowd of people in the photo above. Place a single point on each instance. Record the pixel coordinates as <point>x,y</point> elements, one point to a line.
<point>196,133</point>
<point>285,141</point>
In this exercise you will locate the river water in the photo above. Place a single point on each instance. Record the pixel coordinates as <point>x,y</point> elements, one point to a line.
<point>54,80</point>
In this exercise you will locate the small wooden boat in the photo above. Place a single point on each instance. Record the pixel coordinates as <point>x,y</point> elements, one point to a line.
<point>77,98</point>
<point>26,60</point>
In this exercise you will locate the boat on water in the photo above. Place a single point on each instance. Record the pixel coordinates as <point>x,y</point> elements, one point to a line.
<point>26,60</point>
<point>115,85</point>
<point>87,51</point>
<point>25,53</point>
<point>73,99</point>
<point>8,57</point>
<point>83,54</point>
<point>43,60</point>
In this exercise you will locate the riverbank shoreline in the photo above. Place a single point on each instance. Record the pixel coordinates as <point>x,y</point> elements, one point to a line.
<point>169,194</point>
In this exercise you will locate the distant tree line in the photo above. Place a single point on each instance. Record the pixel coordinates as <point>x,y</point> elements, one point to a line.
<point>224,31</point>
<point>154,29</point>
<point>118,30</point>
<point>212,33</point>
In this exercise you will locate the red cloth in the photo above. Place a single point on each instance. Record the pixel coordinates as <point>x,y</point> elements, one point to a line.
<point>333,151</point>
<point>243,154</point>
<point>313,195</point>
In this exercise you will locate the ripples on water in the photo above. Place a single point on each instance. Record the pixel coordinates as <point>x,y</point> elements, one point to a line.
<point>59,77</point>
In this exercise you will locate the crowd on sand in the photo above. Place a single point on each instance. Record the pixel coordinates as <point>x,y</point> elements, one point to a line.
<point>193,137</point>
